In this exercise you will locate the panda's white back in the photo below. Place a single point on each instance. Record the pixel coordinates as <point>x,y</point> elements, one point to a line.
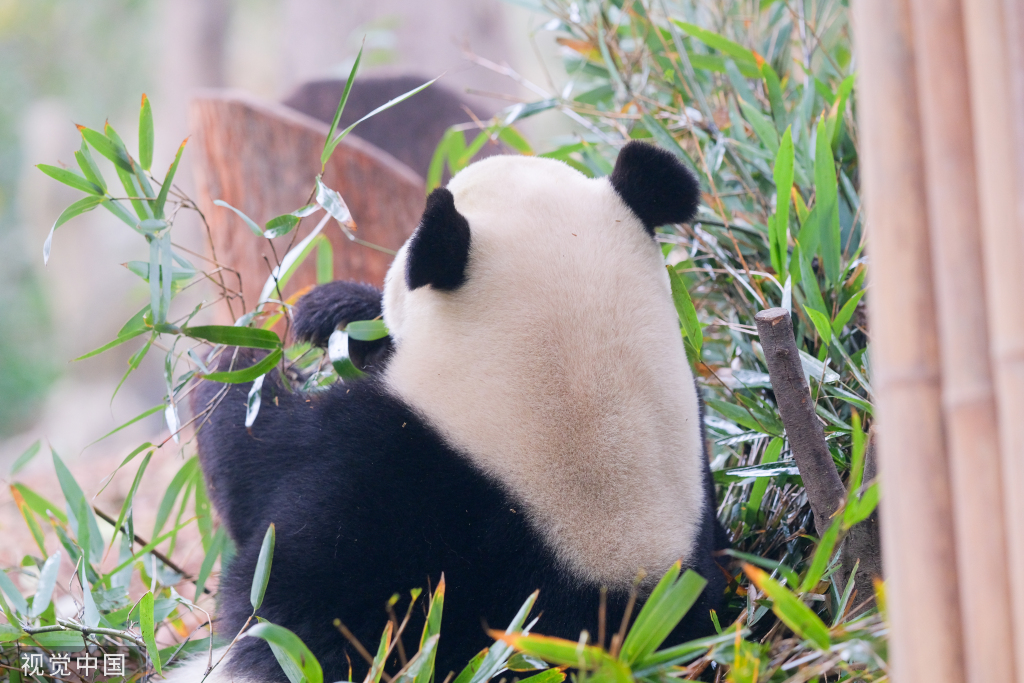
<point>558,369</point>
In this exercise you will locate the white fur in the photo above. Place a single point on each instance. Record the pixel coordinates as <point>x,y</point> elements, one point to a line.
<point>193,669</point>
<point>558,367</point>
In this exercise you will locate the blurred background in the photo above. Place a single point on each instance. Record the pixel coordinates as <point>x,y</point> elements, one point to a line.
<point>69,62</point>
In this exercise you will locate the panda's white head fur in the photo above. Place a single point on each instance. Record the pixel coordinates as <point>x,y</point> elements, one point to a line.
<point>534,327</point>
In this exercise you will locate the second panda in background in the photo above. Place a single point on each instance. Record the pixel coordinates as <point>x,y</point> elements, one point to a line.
<point>530,423</point>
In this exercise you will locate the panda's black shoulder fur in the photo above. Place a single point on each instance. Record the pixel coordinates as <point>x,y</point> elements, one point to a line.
<point>368,500</point>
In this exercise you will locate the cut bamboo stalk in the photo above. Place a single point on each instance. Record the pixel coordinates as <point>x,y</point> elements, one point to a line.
<point>992,27</point>
<point>917,530</point>
<point>968,392</point>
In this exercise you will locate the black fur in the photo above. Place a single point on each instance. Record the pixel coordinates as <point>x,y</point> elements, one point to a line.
<point>368,500</point>
<point>655,185</point>
<point>335,304</point>
<point>439,249</point>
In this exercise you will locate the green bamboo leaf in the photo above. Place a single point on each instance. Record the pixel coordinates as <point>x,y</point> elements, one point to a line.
<point>89,168</point>
<point>757,491</point>
<point>25,457</point>
<point>783,176</point>
<point>682,653</point>
<point>141,416</point>
<point>262,574</point>
<point>181,477</point>
<point>511,137</point>
<point>762,127</point>
<point>421,667</point>
<point>247,374</point>
<point>148,548</point>
<point>468,673</point>
<point>82,520</point>
<point>745,59</point>
<point>324,262</point>
<point>280,225</point>
<point>78,208</point>
<point>333,143</point>
<point>367,330</point>
<point>325,155</point>
<point>789,608</point>
<point>859,510</point>
<point>548,676</point>
<point>826,191</point>
<point>127,505</point>
<point>664,138</point>
<point>70,178</point>
<point>774,87</point>
<point>659,616</point>
<point>105,146</point>
<point>68,641</point>
<point>215,550</point>
<point>809,285</point>
<point>10,633</point>
<point>148,626</point>
<point>117,342</point>
<point>846,312</point>
<point>165,188</point>
<point>41,506</point>
<point>821,323</point>
<point>456,164</point>
<point>292,646</point>
<point>822,555</point>
<point>145,134</point>
<point>684,308</point>
<point>128,458</point>
<point>13,594</point>
<point>248,221</point>
<point>248,337</point>
<point>764,563</point>
<point>555,650</point>
<point>47,580</point>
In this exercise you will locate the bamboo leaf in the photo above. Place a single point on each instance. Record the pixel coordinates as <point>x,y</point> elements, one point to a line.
<point>127,505</point>
<point>13,594</point>
<point>145,134</point>
<point>47,580</point>
<point>248,221</point>
<point>71,179</point>
<point>325,154</point>
<point>147,625</point>
<point>216,547</point>
<point>247,374</point>
<point>105,146</point>
<point>280,225</point>
<point>661,613</point>
<point>846,312</point>
<point>762,127</point>
<point>789,608</point>
<point>78,208</point>
<point>822,555</point>
<point>821,323</point>
<point>165,188</point>
<point>367,330</point>
<point>89,168</point>
<point>183,475</point>
<point>25,457</point>
<point>826,191</point>
<point>685,309</point>
<point>229,335</point>
<point>262,574</point>
<point>771,80</point>
<point>783,176</point>
<point>82,520</point>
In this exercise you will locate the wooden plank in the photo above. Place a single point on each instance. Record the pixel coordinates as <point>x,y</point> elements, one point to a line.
<point>917,519</point>
<point>262,158</point>
<point>968,391</point>
<point>997,98</point>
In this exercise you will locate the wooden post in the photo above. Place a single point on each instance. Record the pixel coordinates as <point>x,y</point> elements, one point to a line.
<point>992,27</point>
<point>262,158</point>
<point>968,393</point>
<point>917,537</point>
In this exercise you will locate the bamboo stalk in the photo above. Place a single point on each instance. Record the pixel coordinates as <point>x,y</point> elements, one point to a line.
<point>968,391</point>
<point>825,489</point>
<point>993,26</point>
<point>917,537</point>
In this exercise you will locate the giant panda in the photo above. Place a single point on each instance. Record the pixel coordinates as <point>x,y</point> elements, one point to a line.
<point>531,422</point>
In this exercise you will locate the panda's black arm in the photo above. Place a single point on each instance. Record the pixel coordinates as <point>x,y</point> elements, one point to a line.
<point>322,310</point>
<point>244,466</point>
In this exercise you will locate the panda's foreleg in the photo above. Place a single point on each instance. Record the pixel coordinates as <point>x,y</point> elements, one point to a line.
<point>243,465</point>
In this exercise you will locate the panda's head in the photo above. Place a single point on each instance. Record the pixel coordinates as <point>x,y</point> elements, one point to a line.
<point>533,326</point>
<point>481,225</point>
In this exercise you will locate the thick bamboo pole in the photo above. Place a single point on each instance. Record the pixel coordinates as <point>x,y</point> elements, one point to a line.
<point>968,392</point>
<point>992,28</point>
<point>917,529</point>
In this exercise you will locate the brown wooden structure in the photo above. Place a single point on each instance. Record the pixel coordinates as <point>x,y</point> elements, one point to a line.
<point>941,109</point>
<point>235,137</point>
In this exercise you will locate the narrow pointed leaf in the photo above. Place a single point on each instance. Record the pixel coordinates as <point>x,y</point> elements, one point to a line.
<point>790,609</point>
<point>47,580</point>
<point>325,154</point>
<point>148,627</point>
<point>81,206</point>
<point>70,178</point>
<point>145,134</point>
<point>235,336</point>
<point>262,574</point>
<point>161,199</point>
<point>105,146</point>
<point>292,646</point>
<point>248,221</point>
<point>247,374</point>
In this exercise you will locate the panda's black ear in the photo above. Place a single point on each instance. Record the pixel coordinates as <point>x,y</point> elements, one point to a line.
<point>439,249</point>
<point>655,185</point>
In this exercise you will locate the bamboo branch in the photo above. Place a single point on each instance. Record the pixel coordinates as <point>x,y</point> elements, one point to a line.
<point>825,490</point>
